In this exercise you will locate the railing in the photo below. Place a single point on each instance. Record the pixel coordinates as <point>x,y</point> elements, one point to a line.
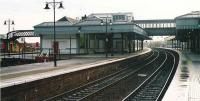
<point>21,54</point>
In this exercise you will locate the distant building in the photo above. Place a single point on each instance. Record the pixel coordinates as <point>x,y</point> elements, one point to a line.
<point>114,17</point>
<point>14,46</point>
<point>188,30</point>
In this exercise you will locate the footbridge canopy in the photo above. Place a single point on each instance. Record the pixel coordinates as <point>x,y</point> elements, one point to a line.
<point>161,27</point>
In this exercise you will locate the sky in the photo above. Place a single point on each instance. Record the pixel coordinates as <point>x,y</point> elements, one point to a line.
<point>28,13</point>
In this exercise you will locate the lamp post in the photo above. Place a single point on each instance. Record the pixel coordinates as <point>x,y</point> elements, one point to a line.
<point>54,3</point>
<point>106,39</point>
<point>9,23</point>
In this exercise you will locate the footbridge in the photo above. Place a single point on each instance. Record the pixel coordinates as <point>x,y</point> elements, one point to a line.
<point>161,27</point>
<point>13,35</point>
<point>185,28</point>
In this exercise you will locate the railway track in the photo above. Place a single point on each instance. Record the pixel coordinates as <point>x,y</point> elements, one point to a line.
<point>83,91</point>
<point>153,88</point>
<point>116,86</point>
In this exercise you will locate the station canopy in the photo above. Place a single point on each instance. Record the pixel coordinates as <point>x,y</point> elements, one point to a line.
<point>193,14</point>
<point>187,25</point>
<point>92,24</point>
<point>188,21</point>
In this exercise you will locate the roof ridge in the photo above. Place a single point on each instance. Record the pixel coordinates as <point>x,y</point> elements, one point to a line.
<point>68,19</point>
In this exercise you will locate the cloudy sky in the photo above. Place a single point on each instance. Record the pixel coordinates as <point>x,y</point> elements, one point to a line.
<point>27,13</point>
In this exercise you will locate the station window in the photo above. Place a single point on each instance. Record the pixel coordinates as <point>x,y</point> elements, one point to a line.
<point>118,17</point>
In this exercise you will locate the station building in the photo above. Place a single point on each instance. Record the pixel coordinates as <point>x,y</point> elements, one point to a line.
<point>95,33</point>
<point>188,30</point>
<point>183,31</point>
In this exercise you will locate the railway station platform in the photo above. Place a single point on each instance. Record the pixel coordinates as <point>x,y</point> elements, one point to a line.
<point>15,75</point>
<point>185,85</point>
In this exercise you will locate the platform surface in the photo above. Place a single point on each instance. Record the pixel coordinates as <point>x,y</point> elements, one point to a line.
<point>14,75</point>
<point>185,85</point>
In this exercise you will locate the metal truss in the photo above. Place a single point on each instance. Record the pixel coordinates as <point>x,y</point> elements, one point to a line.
<point>158,27</point>
<point>13,35</point>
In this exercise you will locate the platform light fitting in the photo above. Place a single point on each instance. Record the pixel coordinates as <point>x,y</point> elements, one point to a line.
<point>47,6</point>
<point>54,27</point>
<point>79,29</point>
<point>4,22</point>
<point>110,22</point>
<point>61,5</point>
<point>13,23</point>
<point>101,22</point>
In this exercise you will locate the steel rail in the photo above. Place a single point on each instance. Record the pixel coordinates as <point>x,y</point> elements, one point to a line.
<point>127,98</point>
<point>109,76</point>
<point>168,78</point>
<point>142,67</point>
<point>145,81</point>
<point>126,76</point>
<point>123,82</point>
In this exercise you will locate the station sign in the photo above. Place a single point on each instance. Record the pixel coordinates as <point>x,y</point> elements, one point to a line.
<point>37,45</point>
<point>55,47</point>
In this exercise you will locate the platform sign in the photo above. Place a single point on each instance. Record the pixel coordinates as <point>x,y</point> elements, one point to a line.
<point>37,45</point>
<point>55,47</point>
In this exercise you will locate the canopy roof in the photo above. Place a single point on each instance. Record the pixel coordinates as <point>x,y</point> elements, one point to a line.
<point>93,24</point>
<point>193,14</point>
<point>64,21</point>
<point>90,21</point>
